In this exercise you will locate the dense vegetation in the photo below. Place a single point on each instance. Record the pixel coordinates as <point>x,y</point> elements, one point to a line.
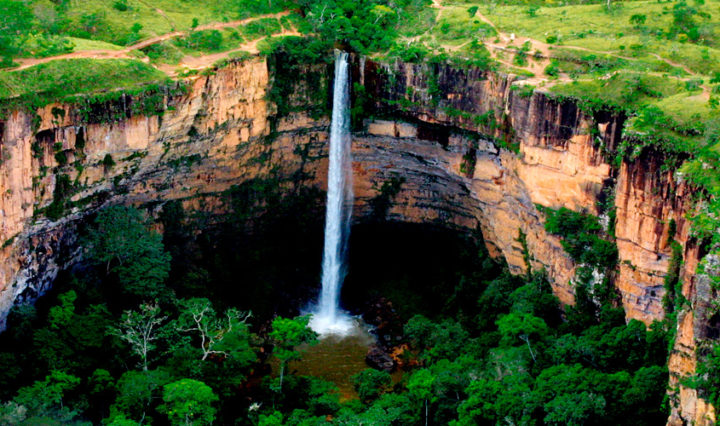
<point>184,328</point>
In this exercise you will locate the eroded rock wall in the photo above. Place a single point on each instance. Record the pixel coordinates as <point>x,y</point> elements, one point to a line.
<point>562,158</point>
<point>472,152</point>
<point>652,212</point>
<point>552,155</point>
<point>196,147</point>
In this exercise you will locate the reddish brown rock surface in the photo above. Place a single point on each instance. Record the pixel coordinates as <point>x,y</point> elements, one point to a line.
<point>223,132</point>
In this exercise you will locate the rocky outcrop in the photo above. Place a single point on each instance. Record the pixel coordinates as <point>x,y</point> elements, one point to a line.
<point>154,159</point>
<point>223,132</point>
<point>471,150</point>
<point>379,359</point>
<point>560,161</point>
<point>649,203</point>
<point>552,156</point>
<point>652,211</point>
<point>698,328</point>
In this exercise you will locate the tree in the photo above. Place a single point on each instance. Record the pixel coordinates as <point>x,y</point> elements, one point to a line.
<point>522,326</point>
<point>189,402</point>
<point>390,409</point>
<point>364,25</point>
<point>638,19</point>
<point>46,396</point>
<point>70,338</point>
<point>120,239</point>
<point>438,341</point>
<point>479,407</point>
<point>643,398</point>
<point>684,22</point>
<point>101,387</point>
<point>322,397</point>
<point>371,383</point>
<point>273,419</point>
<point>12,413</point>
<point>215,333</point>
<point>136,392</point>
<point>20,321</point>
<point>286,334</point>
<point>451,380</point>
<point>121,420</point>
<point>573,393</point>
<point>61,316</point>
<point>140,329</point>
<point>420,387</point>
<point>575,409</point>
<point>15,19</point>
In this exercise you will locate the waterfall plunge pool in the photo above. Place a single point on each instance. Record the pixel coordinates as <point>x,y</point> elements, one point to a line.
<point>337,357</point>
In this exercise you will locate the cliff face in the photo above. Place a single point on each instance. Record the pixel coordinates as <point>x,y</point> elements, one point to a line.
<point>649,201</point>
<point>152,155</point>
<point>560,161</point>
<point>471,150</point>
<point>558,158</point>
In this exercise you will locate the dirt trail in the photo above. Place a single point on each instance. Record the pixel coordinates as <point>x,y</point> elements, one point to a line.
<point>539,54</point>
<point>125,53</point>
<point>161,13</point>
<point>206,61</point>
<point>675,64</point>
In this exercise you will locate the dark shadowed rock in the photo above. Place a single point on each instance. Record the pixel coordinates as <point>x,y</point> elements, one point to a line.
<point>379,359</point>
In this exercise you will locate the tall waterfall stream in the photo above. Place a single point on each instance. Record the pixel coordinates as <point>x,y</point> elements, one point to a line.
<point>328,318</point>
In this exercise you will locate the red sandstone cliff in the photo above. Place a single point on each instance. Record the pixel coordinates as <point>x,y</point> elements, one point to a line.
<point>221,133</point>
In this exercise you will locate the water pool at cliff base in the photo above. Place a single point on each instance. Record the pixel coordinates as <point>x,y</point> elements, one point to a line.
<point>336,358</point>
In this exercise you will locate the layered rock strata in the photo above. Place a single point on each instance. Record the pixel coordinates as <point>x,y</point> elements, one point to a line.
<point>471,149</point>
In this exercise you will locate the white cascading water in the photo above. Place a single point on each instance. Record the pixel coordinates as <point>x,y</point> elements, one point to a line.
<point>328,318</point>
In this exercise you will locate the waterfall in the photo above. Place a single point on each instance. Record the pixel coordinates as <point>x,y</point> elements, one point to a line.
<point>328,318</point>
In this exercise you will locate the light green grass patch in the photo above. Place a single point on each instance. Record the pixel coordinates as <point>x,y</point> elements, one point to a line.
<point>57,79</point>
<point>686,109</point>
<point>82,44</point>
<point>570,23</point>
<point>182,13</point>
<point>9,85</point>
<point>624,90</point>
<point>416,20</point>
<point>112,22</point>
<point>455,25</point>
<point>593,27</point>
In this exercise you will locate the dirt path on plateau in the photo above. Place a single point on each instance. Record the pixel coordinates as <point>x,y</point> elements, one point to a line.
<point>206,61</point>
<point>125,53</point>
<point>539,54</point>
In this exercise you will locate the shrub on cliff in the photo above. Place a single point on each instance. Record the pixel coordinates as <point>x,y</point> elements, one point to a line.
<point>580,237</point>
